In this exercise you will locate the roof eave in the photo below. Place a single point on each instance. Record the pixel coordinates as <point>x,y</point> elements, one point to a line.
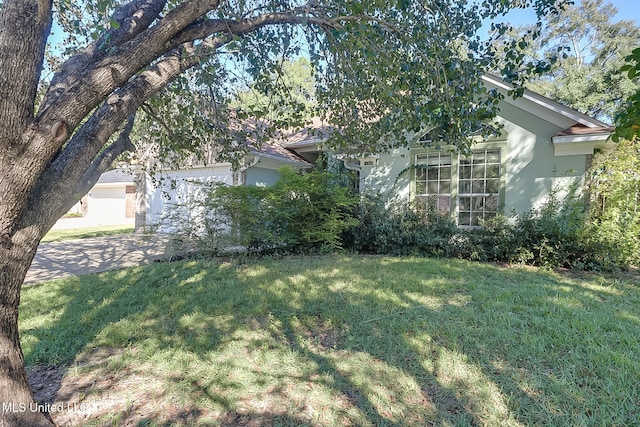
<point>571,145</point>
<point>546,103</point>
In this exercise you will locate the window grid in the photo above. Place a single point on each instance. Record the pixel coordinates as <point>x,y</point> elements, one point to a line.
<point>478,187</point>
<point>434,182</point>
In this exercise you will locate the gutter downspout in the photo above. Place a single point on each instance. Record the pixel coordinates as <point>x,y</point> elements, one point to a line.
<point>244,168</point>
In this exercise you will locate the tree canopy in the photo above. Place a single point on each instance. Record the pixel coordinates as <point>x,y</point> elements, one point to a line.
<point>382,70</point>
<point>586,48</point>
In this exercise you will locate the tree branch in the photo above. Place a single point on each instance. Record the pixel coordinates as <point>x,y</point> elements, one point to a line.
<point>25,26</point>
<point>121,145</point>
<point>80,89</point>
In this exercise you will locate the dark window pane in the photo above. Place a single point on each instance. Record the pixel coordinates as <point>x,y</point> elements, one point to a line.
<point>432,173</point>
<point>478,171</point>
<point>464,187</point>
<point>477,203</point>
<point>491,203</point>
<point>445,172</point>
<point>444,203</point>
<point>478,186</point>
<point>493,171</point>
<point>465,204</point>
<point>464,218</point>
<point>493,185</point>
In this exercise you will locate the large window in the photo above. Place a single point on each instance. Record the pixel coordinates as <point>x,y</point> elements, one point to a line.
<point>433,181</point>
<point>469,186</point>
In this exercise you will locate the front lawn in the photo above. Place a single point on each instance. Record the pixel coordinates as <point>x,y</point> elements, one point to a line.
<point>85,233</point>
<point>338,340</point>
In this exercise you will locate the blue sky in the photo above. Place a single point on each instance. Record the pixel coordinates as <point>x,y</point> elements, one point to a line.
<point>627,9</point>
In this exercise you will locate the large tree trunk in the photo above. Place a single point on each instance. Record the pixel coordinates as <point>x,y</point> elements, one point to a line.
<point>17,407</point>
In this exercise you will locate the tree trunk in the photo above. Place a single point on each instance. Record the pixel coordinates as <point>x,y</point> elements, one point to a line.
<point>17,406</point>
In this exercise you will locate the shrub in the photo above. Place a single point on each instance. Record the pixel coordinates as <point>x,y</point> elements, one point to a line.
<point>556,234</point>
<point>300,213</point>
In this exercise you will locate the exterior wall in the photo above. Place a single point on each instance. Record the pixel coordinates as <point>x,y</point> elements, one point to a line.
<point>164,197</point>
<point>261,176</point>
<point>107,203</point>
<point>390,178</point>
<point>530,168</point>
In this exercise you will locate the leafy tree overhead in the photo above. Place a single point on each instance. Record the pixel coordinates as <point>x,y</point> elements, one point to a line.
<point>590,48</point>
<point>628,120</point>
<point>382,69</point>
<point>297,101</point>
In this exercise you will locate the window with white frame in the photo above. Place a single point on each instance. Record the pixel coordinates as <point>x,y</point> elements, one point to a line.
<point>478,187</point>
<point>433,181</point>
<point>466,185</point>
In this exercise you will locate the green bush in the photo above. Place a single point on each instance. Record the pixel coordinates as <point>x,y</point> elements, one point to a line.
<point>557,234</point>
<point>300,213</point>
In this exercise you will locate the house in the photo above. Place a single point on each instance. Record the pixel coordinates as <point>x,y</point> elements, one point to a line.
<point>169,189</point>
<point>543,146</point>
<point>111,201</point>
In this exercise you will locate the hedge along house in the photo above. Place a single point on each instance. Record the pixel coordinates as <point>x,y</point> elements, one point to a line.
<point>543,146</point>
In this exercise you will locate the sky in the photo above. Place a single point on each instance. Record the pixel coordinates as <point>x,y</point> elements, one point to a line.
<point>627,9</point>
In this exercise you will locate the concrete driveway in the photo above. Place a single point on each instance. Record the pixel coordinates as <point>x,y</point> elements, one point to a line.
<point>86,256</point>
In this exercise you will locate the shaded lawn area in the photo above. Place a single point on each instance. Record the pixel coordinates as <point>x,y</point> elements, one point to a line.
<point>339,340</point>
<point>85,233</point>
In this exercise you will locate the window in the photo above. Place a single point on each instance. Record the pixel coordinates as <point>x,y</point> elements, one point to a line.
<point>469,186</point>
<point>433,181</point>
<point>478,187</point>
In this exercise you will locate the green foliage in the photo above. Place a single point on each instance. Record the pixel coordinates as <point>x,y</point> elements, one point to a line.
<point>628,121</point>
<point>372,69</point>
<point>550,235</point>
<point>293,102</point>
<point>300,213</point>
<point>586,50</point>
<point>614,184</point>
<point>557,234</point>
<point>387,227</point>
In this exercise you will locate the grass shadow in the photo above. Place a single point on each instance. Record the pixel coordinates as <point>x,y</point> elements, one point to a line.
<point>344,340</point>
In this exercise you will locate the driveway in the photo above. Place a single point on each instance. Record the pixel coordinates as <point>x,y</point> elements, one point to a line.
<point>86,256</point>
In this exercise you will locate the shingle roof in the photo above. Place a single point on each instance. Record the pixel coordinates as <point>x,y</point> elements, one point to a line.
<point>115,176</point>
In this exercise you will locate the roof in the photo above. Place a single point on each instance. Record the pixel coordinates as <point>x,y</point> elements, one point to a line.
<point>116,176</point>
<point>579,130</point>
<point>286,143</point>
<point>544,107</point>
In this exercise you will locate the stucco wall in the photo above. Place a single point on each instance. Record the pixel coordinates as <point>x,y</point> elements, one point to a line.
<point>530,170</point>
<point>167,196</point>
<point>390,177</point>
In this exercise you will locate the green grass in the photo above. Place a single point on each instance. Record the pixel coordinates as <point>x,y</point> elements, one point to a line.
<point>342,340</point>
<point>84,233</point>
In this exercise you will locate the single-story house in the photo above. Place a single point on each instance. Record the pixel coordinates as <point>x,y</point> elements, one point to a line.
<point>543,146</point>
<point>111,201</point>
